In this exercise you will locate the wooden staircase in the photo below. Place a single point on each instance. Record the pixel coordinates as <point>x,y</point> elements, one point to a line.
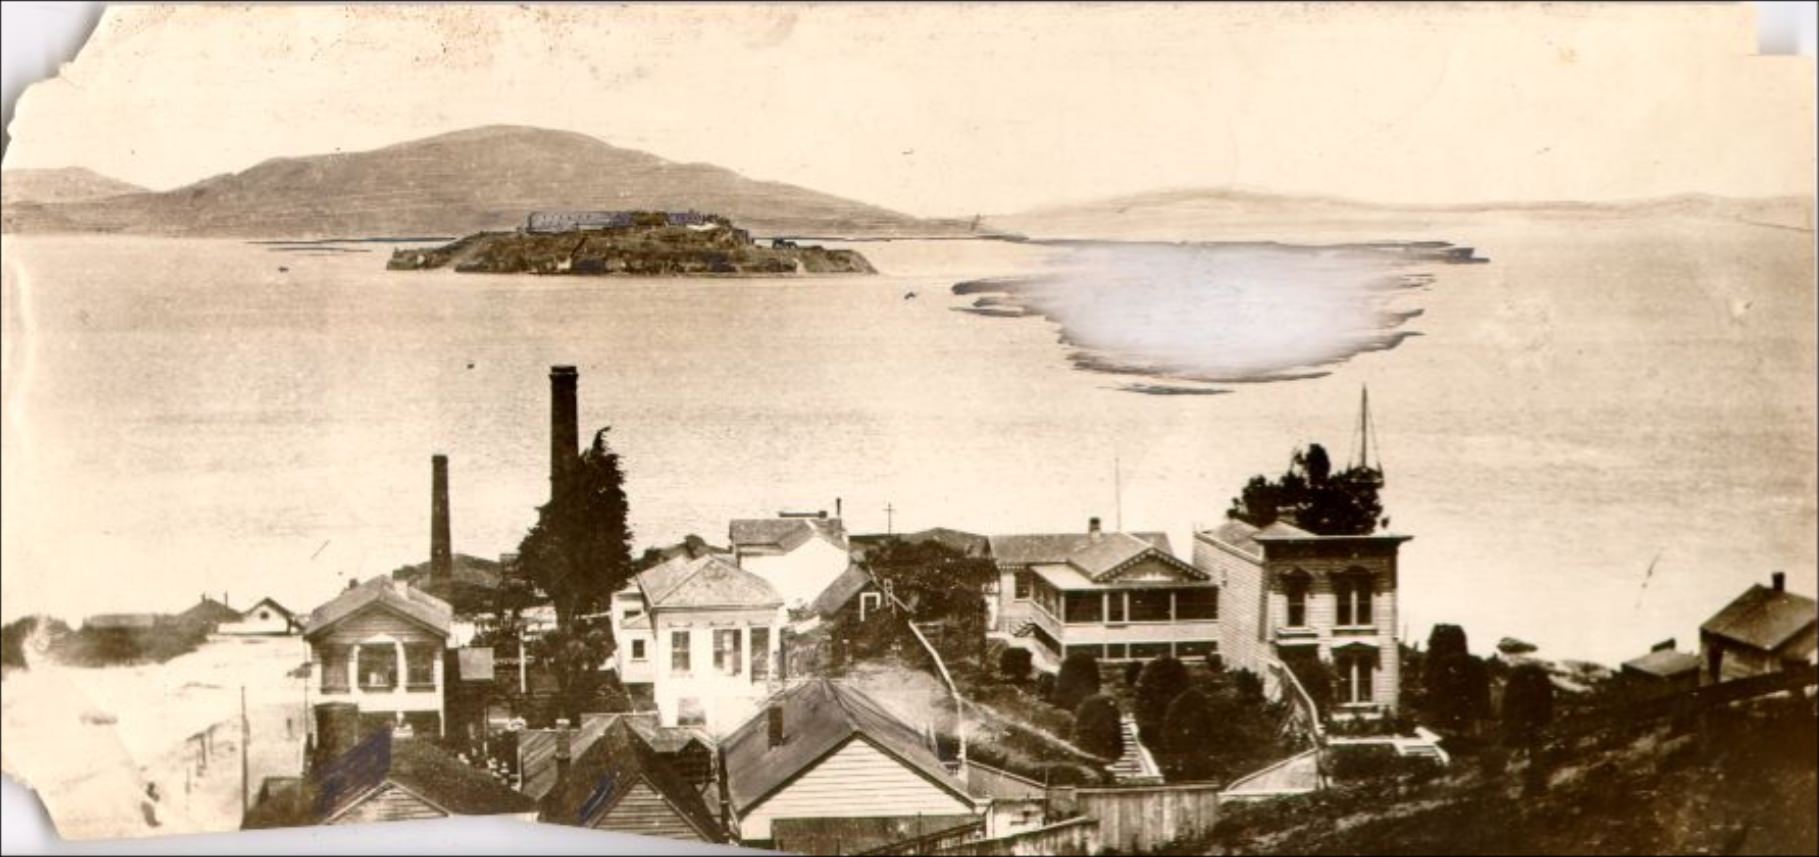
<point>1136,767</point>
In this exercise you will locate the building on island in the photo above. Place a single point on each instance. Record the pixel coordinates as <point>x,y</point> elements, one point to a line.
<point>266,618</point>
<point>704,636</point>
<point>379,645</point>
<point>1766,629</point>
<point>620,783</point>
<point>1116,596</point>
<point>800,554</point>
<point>1291,594</point>
<point>824,761</point>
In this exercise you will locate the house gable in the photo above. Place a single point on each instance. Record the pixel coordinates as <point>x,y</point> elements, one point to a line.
<point>643,810</point>
<point>389,801</point>
<point>857,778</point>
<point>1153,566</point>
<point>377,615</point>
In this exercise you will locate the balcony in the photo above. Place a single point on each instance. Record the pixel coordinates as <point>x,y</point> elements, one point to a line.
<point>1297,636</point>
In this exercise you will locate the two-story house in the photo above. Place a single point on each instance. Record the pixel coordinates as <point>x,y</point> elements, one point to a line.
<point>1767,629</point>
<point>1293,594</point>
<point>800,555</point>
<point>1117,596</point>
<point>704,635</point>
<point>379,646</point>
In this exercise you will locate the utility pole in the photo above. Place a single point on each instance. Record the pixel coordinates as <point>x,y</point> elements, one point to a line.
<point>1118,492</point>
<point>246,739</point>
<point>889,518</point>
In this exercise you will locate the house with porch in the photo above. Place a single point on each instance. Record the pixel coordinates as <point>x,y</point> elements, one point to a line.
<point>379,645</point>
<point>1117,596</point>
<point>1296,595</point>
<point>702,637</point>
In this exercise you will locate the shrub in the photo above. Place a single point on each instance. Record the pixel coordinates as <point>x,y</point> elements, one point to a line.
<point>1215,662</point>
<point>1189,735</point>
<point>1161,681</point>
<point>1316,677</point>
<point>1045,686</point>
<point>1458,690</point>
<point>1097,727</point>
<point>1249,686</point>
<point>1528,704</point>
<point>1015,664</point>
<point>1078,680</point>
<point>1132,671</point>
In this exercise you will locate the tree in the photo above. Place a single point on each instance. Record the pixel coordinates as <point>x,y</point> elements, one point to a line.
<point>1132,671</point>
<point>1162,680</point>
<point>1098,727</point>
<point>1528,705</point>
<point>1078,680</point>
<point>1458,690</point>
<point>938,583</point>
<point>1311,495</point>
<point>1014,663</point>
<point>1316,677</point>
<point>1446,639</point>
<point>1191,731</point>
<point>578,554</point>
<point>1248,685</point>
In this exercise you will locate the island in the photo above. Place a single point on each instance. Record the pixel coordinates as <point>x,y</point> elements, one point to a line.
<point>629,243</point>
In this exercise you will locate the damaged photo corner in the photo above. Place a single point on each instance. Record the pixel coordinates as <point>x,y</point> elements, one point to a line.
<point>908,428</point>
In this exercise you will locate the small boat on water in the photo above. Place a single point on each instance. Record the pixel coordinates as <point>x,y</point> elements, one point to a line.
<point>909,296</point>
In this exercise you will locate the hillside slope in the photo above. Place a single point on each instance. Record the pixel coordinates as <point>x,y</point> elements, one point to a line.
<point>59,185</point>
<point>468,181</point>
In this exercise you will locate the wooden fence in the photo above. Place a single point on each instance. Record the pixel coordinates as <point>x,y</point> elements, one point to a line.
<point>1076,836</point>
<point>1140,819</point>
<point>1691,702</point>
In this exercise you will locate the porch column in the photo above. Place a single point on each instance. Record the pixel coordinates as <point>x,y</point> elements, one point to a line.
<point>402,683</point>
<point>353,669</point>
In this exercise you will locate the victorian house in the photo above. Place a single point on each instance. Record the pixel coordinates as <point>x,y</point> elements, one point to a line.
<point>379,645</point>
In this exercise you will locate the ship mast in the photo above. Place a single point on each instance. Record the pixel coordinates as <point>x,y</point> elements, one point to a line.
<point>1366,431</point>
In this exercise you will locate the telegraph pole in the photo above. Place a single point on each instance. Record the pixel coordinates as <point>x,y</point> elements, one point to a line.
<point>246,739</point>
<point>889,518</point>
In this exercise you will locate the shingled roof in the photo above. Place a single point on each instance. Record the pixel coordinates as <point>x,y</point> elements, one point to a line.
<point>414,764</point>
<point>1763,617</point>
<point>841,591</point>
<point>784,534</point>
<point>819,717</point>
<point>402,598</point>
<point>609,769</point>
<point>706,581</point>
<point>968,544</point>
<point>1665,663</point>
<point>1057,547</point>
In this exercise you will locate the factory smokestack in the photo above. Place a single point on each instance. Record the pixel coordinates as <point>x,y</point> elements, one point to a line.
<point>441,560</point>
<point>564,431</point>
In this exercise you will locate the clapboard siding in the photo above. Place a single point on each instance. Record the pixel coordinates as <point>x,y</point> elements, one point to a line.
<point>388,803</point>
<point>374,621</point>
<point>856,781</point>
<point>643,811</point>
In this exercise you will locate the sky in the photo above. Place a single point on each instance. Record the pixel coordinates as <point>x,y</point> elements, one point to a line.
<point>949,110</point>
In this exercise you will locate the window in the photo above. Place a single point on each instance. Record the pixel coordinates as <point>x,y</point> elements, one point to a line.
<point>378,666</point>
<point>1117,652</point>
<point>1146,651</point>
<point>334,669</point>
<point>678,652</point>
<point>1353,591</point>
<point>420,664</point>
<point>1083,607</point>
<point>265,614</point>
<point>1096,651</point>
<point>1355,671</point>
<point>638,650</point>
<point>1114,607</point>
<point>869,602</point>
<point>1198,604</point>
<point>727,651</point>
<point>1150,605</point>
<point>1295,586</point>
<point>1023,585</point>
<point>761,654</point>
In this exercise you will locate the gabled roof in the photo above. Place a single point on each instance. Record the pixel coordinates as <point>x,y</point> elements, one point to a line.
<point>1763,618</point>
<point>407,600</point>
<point>1666,663</point>
<point>1237,534</point>
<point>609,769</point>
<point>840,592</point>
<point>208,612</point>
<point>267,602</point>
<point>1056,547</point>
<point>706,581</point>
<point>784,534</point>
<point>537,753</point>
<point>415,764</point>
<point>1103,558</point>
<point>819,717</point>
<point>967,544</point>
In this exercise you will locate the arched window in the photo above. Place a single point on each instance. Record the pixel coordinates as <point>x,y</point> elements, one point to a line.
<point>1353,589</point>
<point>1295,586</point>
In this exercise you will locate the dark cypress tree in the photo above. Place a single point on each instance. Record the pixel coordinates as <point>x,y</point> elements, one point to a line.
<point>1079,679</point>
<point>1097,728</point>
<point>1162,680</point>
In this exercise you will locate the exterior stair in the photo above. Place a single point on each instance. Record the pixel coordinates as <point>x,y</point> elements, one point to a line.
<point>1136,767</point>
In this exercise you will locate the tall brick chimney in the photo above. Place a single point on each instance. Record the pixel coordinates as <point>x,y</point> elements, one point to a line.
<point>564,431</point>
<point>441,559</point>
<point>1779,581</point>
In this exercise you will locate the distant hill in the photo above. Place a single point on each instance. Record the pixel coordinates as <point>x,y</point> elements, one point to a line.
<point>63,184</point>
<point>468,181</point>
<point>1236,214</point>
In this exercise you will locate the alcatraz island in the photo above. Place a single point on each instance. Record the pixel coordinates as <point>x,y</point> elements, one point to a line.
<point>629,243</point>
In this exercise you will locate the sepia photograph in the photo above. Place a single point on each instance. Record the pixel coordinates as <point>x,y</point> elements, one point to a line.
<point>915,429</point>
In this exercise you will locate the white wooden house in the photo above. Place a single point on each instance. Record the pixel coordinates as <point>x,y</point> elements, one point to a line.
<point>266,618</point>
<point>800,556</point>
<point>379,645</point>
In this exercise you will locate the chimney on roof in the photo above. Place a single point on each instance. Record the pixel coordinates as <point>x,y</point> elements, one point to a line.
<point>837,508</point>
<point>441,561</point>
<point>1666,645</point>
<point>1779,580</point>
<point>1092,526</point>
<point>774,719</point>
<point>564,430</point>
